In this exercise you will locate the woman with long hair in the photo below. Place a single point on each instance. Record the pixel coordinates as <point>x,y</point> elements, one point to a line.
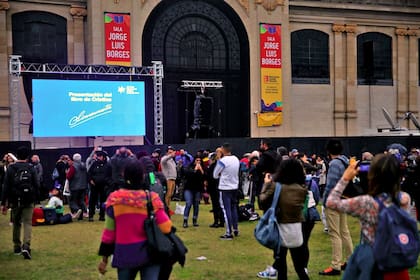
<point>384,178</point>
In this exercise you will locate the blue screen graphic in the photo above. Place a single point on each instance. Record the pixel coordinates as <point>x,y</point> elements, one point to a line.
<point>88,108</point>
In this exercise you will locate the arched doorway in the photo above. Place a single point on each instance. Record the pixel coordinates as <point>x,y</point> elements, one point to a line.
<point>200,40</point>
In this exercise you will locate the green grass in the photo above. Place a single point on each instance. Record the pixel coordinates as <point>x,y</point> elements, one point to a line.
<point>70,252</point>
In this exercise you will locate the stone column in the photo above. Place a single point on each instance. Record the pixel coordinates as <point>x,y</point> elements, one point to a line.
<point>339,67</point>
<point>78,13</point>
<point>351,79</point>
<point>402,72</point>
<point>413,74</point>
<point>5,113</point>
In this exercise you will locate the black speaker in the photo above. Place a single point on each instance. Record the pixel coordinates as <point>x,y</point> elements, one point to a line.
<point>368,60</point>
<point>203,107</point>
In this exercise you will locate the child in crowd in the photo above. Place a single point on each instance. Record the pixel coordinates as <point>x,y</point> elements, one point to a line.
<point>56,203</point>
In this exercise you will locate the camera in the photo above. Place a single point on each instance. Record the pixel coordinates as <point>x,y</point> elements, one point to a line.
<point>359,185</point>
<point>364,166</point>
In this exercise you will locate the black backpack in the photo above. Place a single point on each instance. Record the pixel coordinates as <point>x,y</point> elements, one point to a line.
<point>22,190</point>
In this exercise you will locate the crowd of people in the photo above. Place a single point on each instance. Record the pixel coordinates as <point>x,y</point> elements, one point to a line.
<point>117,187</point>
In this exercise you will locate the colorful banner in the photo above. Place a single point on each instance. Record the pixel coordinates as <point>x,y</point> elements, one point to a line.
<point>271,72</point>
<point>117,39</point>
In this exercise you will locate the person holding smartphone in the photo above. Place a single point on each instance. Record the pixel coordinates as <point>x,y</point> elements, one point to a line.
<point>194,187</point>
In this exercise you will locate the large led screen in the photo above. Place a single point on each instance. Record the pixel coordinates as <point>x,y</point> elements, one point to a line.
<point>88,108</point>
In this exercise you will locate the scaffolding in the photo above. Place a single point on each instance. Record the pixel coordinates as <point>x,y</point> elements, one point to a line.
<point>17,67</point>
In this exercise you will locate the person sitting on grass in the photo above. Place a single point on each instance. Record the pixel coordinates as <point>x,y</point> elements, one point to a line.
<point>56,203</point>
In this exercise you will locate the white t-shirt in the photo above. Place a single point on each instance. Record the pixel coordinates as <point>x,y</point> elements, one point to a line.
<point>54,202</point>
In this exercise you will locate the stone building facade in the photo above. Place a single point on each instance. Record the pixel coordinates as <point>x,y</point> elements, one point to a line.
<point>342,60</point>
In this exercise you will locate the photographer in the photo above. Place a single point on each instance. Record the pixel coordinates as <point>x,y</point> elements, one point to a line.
<point>118,163</point>
<point>384,184</point>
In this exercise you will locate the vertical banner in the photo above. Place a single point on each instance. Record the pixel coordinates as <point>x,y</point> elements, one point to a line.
<point>117,39</point>
<point>271,75</point>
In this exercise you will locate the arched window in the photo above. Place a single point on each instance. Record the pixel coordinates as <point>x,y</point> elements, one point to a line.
<point>195,43</point>
<point>40,37</point>
<point>310,57</point>
<point>374,59</point>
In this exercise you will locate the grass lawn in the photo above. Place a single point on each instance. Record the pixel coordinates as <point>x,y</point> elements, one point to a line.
<point>70,252</point>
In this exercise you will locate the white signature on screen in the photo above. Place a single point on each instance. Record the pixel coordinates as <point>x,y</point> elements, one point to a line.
<point>82,117</point>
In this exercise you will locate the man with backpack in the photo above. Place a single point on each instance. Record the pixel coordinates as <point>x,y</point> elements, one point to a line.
<point>21,187</point>
<point>337,222</point>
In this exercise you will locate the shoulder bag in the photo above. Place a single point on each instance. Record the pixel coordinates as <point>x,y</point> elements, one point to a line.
<point>159,246</point>
<point>267,230</point>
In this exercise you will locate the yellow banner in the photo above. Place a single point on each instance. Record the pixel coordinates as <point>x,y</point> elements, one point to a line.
<point>269,119</point>
<point>271,89</point>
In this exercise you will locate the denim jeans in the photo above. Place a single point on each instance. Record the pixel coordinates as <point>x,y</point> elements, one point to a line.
<point>192,198</point>
<point>147,272</point>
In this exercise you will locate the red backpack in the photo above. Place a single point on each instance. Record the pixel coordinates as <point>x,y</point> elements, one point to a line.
<point>38,217</point>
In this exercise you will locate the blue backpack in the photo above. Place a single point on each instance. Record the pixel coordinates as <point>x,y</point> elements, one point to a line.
<point>267,230</point>
<point>397,244</point>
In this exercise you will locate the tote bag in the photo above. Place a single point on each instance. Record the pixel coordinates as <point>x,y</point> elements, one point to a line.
<point>267,230</point>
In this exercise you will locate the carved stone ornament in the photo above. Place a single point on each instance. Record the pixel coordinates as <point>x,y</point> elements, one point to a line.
<point>401,31</point>
<point>412,32</point>
<point>4,5</point>
<point>339,28</point>
<point>270,5</point>
<point>78,11</point>
<point>244,4</point>
<point>351,28</point>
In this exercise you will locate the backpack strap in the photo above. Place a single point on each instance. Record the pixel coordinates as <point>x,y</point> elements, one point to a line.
<point>343,162</point>
<point>384,196</point>
<point>276,195</point>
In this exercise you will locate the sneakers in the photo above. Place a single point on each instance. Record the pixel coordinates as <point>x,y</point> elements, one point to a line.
<point>330,272</point>
<point>17,251</point>
<point>214,225</point>
<point>236,233</point>
<point>254,217</point>
<point>77,214</point>
<point>226,237</point>
<point>268,273</point>
<point>26,252</point>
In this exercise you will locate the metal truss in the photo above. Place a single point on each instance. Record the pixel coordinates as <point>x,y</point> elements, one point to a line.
<point>201,84</point>
<point>17,67</point>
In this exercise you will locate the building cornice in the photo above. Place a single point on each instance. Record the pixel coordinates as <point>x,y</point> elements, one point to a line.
<point>55,2</point>
<point>355,6</point>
